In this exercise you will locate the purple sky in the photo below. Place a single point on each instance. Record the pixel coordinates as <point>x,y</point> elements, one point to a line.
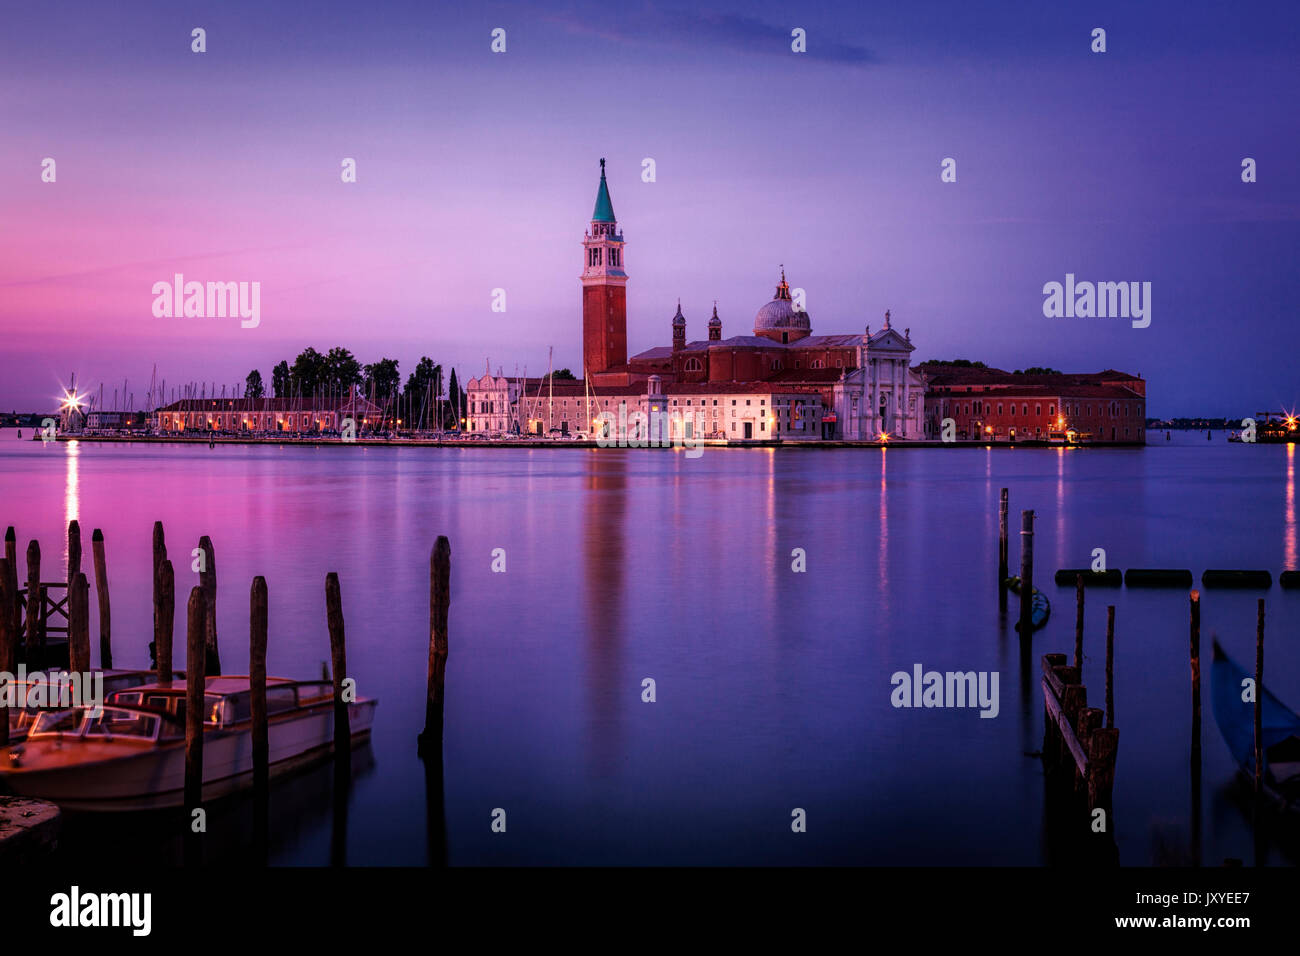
<point>478,171</point>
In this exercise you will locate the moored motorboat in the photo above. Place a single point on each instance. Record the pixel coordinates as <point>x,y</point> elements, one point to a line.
<point>130,754</point>
<point>1279,726</point>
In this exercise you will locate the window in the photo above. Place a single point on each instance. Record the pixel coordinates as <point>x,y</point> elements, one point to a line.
<point>1025,410</point>
<point>999,408</point>
<point>1038,410</point>
<point>693,365</point>
<point>1051,409</point>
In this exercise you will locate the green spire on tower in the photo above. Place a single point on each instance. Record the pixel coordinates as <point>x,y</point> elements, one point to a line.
<point>604,211</point>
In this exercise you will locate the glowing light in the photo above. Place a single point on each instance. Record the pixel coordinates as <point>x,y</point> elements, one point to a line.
<point>71,401</point>
<point>884,437</point>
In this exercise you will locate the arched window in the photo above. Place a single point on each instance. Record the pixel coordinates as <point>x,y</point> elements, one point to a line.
<point>693,365</point>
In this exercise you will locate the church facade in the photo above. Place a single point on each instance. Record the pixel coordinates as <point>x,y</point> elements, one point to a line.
<point>883,398</point>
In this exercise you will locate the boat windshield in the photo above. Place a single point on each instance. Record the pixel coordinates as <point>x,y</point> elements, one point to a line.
<point>56,722</point>
<point>112,722</point>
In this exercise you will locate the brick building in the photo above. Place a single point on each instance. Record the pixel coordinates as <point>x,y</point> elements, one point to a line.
<point>992,404</point>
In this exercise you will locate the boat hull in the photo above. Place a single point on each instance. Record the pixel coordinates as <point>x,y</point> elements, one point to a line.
<point>110,779</point>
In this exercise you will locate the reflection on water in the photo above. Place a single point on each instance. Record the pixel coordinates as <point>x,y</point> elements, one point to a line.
<point>1288,544</point>
<point>604,540</point>
<point>772,688</point>
<point>883,531</point>
<point>71,487</point>
<point>1060,509</point>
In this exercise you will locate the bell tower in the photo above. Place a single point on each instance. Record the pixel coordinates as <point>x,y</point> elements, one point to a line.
<point>604,288</point>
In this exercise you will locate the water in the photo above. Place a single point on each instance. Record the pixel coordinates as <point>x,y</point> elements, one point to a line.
<point>773,687</point>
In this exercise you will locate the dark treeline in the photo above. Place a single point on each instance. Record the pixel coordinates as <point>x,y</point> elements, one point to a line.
<point>421,403</point>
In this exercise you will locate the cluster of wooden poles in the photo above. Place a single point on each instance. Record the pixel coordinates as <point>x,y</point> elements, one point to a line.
<point>202,658</point>
<point>1075,730</point>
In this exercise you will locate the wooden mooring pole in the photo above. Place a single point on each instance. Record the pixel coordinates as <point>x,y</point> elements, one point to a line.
<point>195,684</point>
<point>74,550</point>
<point>1195,641</point>
<point>164,620</point>
<point>338,658</point>
<point>208,581</point>
<point>159,556</point>
<point>79,625</point>
<point>1110,665</point>
<point>101,594</point>
<point>11,555</point>
<point>1003,555</point>
<point>35,634</point>
<point>1259,699</point>
<point>439,602</point>
<point>257,627</point>
<point>1026,574</point>
<point>1078,620</point>
<point>8,638</point>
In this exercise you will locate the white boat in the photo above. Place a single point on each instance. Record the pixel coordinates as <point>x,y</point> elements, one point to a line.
<point>131,754</point>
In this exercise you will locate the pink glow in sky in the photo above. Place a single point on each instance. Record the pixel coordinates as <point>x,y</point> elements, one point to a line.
<point>478,171</point>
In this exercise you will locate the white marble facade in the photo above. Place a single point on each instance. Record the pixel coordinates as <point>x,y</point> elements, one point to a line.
<point>883,394</point>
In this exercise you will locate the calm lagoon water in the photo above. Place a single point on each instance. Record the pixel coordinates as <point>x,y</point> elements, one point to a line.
<point>773,687</point>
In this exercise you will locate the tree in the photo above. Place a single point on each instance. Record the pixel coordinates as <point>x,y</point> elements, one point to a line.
<point>456,401</point>
<point>253,387</point>
<point>956,363</point>
<point>307,372</point>
<point>340,371</point>
<point>280,379</point>
<point>1036,370</point>
<point>564,375</point>
<point>422,389</point>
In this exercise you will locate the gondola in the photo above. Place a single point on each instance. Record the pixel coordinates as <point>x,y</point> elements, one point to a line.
<point>1279,724</point>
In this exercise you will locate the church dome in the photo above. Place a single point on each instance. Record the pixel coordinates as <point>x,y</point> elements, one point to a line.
<point>780,312</point>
